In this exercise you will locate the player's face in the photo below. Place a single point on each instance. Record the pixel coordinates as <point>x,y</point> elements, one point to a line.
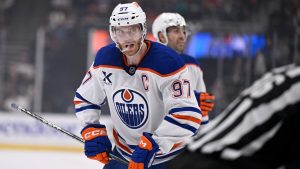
<point>129,38</point>
<point>176,38</point>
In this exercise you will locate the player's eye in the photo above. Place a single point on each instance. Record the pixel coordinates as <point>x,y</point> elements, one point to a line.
<point>132,30</point>
<point>119,32</point>
<point>135,29</point>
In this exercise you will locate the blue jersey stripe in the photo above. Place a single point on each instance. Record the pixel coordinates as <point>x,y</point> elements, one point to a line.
<point>193,109</point>
<point>204,122</point>
<point>81,98</point>
<point>88,107</point>
<point>171,154</point>
<point>123,152</point>
<point>185,126</point>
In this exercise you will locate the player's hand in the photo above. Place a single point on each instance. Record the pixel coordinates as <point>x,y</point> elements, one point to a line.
<point>144,153</point>
<point>97,144</point>
<point>205,102</point>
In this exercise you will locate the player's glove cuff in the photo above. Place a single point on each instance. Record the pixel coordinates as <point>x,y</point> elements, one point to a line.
<point>143,155</point>
<point>92,131</point>
<point>97,144</point>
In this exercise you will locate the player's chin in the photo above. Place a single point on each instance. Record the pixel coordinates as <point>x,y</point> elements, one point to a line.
<point>180,48</point>
<point>130,52</point>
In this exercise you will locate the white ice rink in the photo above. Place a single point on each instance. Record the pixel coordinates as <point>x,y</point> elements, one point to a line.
<point>10,159</point>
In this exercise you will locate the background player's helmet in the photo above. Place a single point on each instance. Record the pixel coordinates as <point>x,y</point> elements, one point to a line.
<point>165,20</point>
<point>125,15</point>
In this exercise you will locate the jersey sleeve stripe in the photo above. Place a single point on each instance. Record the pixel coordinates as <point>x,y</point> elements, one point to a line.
<point>81,98</point>
<point>170,154</point>
<point>185,126</point>
<point>193,109</point>
<point>78,102</point>
<point>176,145</point>
<point>189,118</point>
<point>88,107</point>
<point>204,122</point>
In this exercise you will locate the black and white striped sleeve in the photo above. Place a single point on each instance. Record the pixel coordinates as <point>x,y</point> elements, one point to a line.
<point>254,118</point>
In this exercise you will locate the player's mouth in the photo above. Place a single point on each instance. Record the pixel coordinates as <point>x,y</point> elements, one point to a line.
<point>180,42</point>
<point>129,46</point>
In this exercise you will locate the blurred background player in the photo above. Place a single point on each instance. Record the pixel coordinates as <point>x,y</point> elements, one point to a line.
<point>259,130</point>
<point>170,29</point>
<point>147,86</point>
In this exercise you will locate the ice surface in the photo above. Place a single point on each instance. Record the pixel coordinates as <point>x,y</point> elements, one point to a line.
<point>10,159</point>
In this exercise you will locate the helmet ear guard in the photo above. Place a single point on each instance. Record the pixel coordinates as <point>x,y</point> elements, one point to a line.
<point>163,22</point>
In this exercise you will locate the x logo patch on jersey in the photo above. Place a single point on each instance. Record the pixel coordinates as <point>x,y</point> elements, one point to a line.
<point>106,78</point>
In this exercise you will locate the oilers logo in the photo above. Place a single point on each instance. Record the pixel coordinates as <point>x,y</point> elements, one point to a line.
<point>132,107</point>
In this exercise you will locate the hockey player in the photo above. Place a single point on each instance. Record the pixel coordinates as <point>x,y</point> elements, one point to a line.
<point>170,29</point>
<point>149,94</point>
<point>259,130</point>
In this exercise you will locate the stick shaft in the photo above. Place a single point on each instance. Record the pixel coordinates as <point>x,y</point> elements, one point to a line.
<point>61,129</point>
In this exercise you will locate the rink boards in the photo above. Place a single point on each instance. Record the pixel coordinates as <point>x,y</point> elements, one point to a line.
<point>22,132</point>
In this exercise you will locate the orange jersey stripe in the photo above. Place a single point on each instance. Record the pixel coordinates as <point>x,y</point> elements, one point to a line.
<point>189,118</point>
<point>143,69</point>
<point>177,145</point>
<point>78,102</point>
<point>162,75</point>
<point>119,143</point>
<point>108,66</point>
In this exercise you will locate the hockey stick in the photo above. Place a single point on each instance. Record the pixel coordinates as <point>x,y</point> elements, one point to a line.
<point>16,107</point>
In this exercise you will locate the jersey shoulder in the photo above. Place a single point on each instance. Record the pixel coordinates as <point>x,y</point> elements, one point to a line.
<point>108,55</point>
<point>162,59</point>
<point>190,60</point>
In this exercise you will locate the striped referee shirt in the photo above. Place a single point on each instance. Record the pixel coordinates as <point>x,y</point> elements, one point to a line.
<point>259,124</point>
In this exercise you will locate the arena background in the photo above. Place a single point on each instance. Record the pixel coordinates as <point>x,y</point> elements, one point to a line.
<point>47,45</point>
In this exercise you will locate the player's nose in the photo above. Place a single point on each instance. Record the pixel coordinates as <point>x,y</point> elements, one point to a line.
<point>182,34</point>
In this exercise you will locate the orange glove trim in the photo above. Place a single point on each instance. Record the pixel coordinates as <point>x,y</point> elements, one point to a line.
<point>207,97</point>
<point>102,157</point>
<point>145,143</point>
<point>206,106</point>
<point>91,133</point>
<point>133,165</point>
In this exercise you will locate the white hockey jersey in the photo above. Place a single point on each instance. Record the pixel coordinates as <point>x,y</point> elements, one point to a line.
<point>157,98</point>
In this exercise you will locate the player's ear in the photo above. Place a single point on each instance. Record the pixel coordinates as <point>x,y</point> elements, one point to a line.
<point>161,37</point>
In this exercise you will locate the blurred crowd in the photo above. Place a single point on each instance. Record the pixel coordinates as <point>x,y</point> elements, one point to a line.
<point>67,22</point>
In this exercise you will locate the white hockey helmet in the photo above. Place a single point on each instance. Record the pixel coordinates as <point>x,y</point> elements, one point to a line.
<point>125,15</point>
<point>165,20</point>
